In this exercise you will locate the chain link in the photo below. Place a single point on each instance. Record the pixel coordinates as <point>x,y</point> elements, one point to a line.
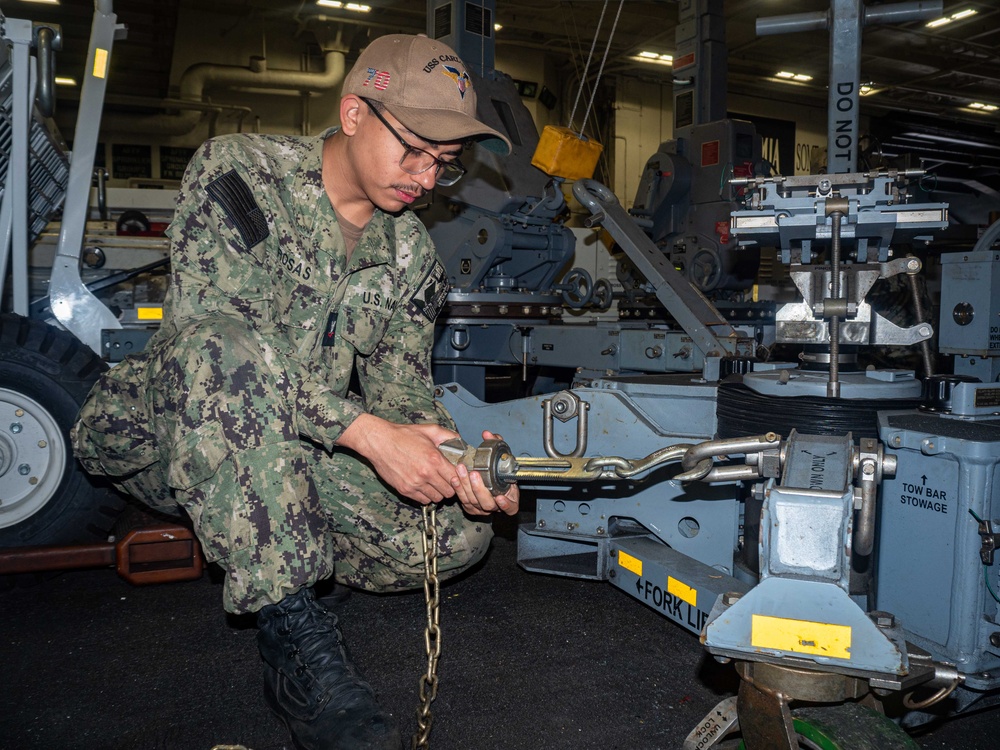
<point>432,635</point>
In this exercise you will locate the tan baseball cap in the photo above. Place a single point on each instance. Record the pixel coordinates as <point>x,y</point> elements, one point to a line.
<point>424,85</point>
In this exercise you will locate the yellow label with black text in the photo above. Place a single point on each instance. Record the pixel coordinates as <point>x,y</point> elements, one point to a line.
<point>628,562</point>
<point>801,636</point>
<point>682,591</point>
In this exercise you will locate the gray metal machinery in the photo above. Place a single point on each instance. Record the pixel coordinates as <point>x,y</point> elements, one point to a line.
<point>500,234</point>
<point>685,194</point>
<point>45,372</point>
<point>842,550</point>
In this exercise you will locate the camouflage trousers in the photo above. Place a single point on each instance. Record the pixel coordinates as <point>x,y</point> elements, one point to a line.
<point>275,511</point>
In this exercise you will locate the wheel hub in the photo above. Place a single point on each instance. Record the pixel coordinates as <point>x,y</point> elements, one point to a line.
<point>32,457</point>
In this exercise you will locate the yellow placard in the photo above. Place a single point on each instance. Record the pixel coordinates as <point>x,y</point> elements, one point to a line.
<point>100,63</point>
<point>149,313</point>
<point>801,636</point>
<point>628,562</point>
<point>682,591</point>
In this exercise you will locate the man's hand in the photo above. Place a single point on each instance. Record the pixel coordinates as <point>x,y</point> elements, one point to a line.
<point>406,456</point>
<point>476,499</point>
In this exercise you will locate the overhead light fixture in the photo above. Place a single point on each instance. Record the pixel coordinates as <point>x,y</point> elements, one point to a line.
<point>866,89</point>
<point>43,2</point>
<point>786,75</point>
<point>984,107</point>
<point>497,26</point>
<point>957,16</point>
<point>356,7</point>
<point>65,81</point>
<point>654,57</point>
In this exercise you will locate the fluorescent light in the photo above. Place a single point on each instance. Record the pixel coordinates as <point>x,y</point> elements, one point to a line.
<point>356,7</point>
<point>659,58</point>
<point>958,16</point>
<point>65,81</point>
<point>787,75</point>
<point>984,107</point>
<point>43,2</point>
<point>497,27</point>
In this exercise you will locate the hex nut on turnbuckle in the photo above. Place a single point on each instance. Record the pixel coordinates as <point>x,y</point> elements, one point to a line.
<point>491,460</point>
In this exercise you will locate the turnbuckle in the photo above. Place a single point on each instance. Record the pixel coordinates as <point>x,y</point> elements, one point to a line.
<point>498,467</point>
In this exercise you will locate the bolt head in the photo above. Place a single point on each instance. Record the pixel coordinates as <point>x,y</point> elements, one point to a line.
<point>883,619</point>
<point>16,427</point>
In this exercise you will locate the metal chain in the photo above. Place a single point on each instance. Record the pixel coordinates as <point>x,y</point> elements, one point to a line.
<point>432,635</point>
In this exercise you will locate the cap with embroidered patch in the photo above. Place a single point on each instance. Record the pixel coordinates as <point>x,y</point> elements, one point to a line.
<point>424,85</point>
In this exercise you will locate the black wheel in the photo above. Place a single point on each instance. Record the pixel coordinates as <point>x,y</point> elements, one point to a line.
<point>132,222</point>
<point>45,496</point>
<point>577,288</point>
<point>603,295</point>
<point>848,726</point>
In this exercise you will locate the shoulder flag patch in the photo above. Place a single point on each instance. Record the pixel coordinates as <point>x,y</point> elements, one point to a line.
<point>233,194</point>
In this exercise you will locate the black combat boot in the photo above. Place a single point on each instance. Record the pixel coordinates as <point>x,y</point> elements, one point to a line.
<point>312,684</point>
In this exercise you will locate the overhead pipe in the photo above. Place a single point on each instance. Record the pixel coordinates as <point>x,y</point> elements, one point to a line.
<point>201,77</point>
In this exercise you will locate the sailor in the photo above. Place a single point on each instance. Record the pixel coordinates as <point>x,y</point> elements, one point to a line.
<point>295,263</point>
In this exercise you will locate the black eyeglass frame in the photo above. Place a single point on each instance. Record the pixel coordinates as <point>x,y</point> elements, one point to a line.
<point>448,172</point>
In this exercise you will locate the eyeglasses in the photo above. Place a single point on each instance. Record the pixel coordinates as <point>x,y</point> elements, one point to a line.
<point>417,161</point>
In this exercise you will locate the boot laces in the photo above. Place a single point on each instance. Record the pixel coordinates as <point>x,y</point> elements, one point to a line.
<point>318,648</point>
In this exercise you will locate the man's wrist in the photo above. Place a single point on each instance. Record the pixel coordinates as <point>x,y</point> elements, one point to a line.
<point>358,434</point>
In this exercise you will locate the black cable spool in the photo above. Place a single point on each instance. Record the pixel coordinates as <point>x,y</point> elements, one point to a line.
<point>741,412</point>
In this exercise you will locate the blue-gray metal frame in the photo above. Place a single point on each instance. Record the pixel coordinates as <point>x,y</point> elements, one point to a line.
<point>929,569</point>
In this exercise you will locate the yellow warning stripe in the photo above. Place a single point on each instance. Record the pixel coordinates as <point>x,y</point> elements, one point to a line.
<point>682,591</point>
<point>633,564</point>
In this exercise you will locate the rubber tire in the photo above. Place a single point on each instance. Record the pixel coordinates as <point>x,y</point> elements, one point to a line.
<point>847,726</point>
<point>56,371</point>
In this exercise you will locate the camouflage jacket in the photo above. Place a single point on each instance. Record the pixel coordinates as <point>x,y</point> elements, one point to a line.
<point>255,237</point>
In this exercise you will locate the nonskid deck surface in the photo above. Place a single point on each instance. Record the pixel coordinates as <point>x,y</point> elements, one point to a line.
<point>529,662</point>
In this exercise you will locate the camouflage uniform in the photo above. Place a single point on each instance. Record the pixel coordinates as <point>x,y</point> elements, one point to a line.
<point>234,408</point>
